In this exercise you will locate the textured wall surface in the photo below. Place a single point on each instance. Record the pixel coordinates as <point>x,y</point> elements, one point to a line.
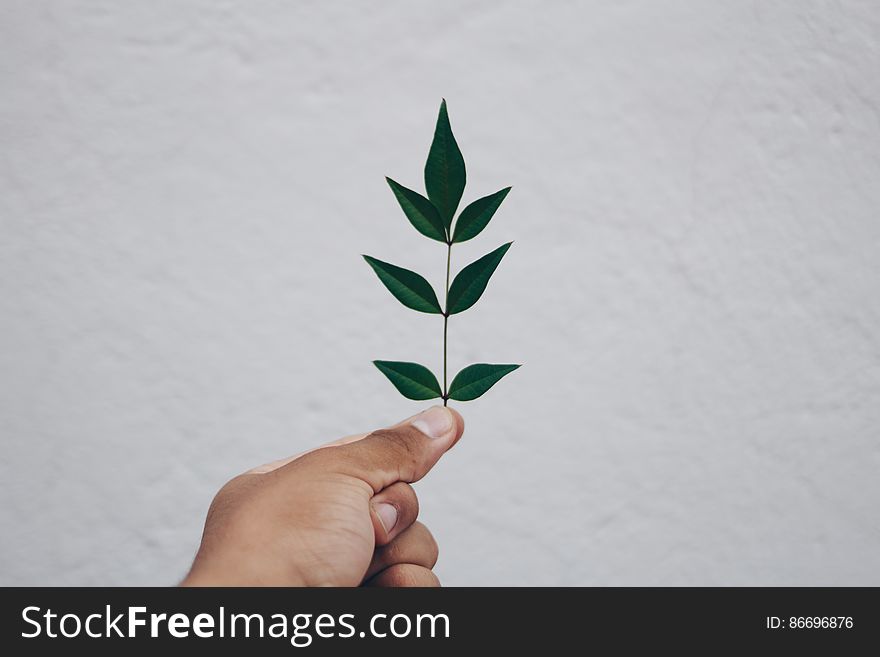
<point>694,289</point>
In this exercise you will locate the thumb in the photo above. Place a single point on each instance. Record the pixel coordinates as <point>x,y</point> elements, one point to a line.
<point>404,452</point>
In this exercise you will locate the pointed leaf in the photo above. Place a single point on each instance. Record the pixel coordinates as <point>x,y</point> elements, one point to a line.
<point>471,281</point>
<point>411,290</point>
<point>420,211</point>
<point>474,380</point>
<point>412,380</point>
<point>444,171</point>
<point>474,218</point>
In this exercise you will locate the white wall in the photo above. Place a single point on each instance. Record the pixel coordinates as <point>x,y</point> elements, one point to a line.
<point>185,188</point>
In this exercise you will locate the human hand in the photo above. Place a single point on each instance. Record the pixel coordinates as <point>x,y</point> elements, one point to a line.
<point>341,515</point>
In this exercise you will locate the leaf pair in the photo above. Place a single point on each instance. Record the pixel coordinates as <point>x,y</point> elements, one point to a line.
<point>415,381</point>
<point>413,291</point>
<point>445,178</point>
<point>426,219</point>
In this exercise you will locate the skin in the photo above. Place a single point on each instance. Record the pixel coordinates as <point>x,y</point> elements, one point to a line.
<point>316,519</point>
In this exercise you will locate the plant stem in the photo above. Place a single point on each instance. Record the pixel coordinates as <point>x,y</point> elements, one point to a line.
<point>446,321</point>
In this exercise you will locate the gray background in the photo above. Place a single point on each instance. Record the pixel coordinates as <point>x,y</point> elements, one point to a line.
<point>694,289</point>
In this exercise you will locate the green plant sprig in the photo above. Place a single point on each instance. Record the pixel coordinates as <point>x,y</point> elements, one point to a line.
<point>445,178</point>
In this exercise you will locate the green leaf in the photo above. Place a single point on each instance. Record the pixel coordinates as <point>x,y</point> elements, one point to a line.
<point>474,380</point>
<point>412,380</point>
<point>420,211</point>
<point>444,171</point>
<point>471,281</point>
<point>411,290</point>
<point>474,218</point>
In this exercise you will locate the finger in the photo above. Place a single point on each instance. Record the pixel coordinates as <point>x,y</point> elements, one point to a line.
<point>404,452</point>
<point>393,510</point>
<point>415,546</point>
<point>405,575</point>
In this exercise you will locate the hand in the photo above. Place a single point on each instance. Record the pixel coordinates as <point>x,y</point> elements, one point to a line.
<point>317,519</point>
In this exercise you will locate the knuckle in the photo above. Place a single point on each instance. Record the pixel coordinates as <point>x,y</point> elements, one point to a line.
<point>399,439</point>
<point>416,576</point>
<point>430,544</point>
<point>349,458</point>
<point>432,579</point>
<point>228,491</point>
<point>392,553</point>
<point>409,501</point>
<point>402,445</point>
<point>415,503</point>
<point>233,483</point>
<point>406,576</point>
<point>223,501</point>
<point>232,494</point>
